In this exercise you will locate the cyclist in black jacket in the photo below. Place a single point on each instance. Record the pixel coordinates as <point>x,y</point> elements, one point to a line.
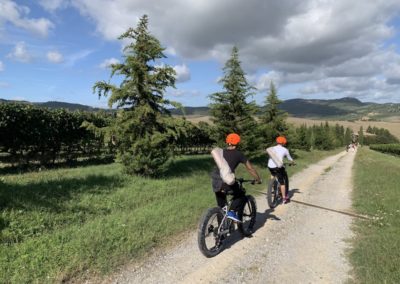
<point>233,157</point>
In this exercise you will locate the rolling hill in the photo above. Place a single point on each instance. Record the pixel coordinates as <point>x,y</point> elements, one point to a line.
<point>336,109</point>
<point>56,105</point>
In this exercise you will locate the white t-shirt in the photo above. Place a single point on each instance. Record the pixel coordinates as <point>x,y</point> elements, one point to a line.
<point>281,152</point>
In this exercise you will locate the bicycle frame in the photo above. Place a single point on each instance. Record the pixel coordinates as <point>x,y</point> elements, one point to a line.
<point>225,220</point>
<point>226,223</point>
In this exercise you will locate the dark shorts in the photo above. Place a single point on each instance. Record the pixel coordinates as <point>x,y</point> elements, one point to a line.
<point>280,173</point>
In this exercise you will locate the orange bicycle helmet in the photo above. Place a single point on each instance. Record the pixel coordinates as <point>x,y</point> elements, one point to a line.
<point>281,140</point>
<point>232,139</point>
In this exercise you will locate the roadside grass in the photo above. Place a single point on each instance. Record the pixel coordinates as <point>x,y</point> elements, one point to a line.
<point>375,255</point>
<point>65,224</point>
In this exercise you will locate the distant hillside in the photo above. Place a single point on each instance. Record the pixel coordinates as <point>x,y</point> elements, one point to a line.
<point>344,108</point>
<point>56,105</point>
<point>191,111</point>
<point>339,109</point>
<point>307,108</point>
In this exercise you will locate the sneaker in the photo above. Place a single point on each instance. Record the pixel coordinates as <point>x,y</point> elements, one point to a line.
<point>232,215</point>
<point>286,200</point>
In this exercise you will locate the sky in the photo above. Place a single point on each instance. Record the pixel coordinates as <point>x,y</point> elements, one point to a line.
<point>56,50</point>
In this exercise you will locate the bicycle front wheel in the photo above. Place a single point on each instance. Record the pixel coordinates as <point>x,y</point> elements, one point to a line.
<point>208,237</point>
<point>248,216</point>
<point>273,196</point>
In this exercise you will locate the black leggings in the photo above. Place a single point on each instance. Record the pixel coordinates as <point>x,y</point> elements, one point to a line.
<point>239,198</point>
<point>282,176</point>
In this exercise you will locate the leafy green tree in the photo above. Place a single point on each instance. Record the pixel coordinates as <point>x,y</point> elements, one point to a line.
<point>380,136</point>
<point>230,109</point>
<point>273,120</point>
<point>144,131</point>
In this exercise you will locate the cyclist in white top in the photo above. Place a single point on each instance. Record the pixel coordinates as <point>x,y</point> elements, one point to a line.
<point>281,152</point>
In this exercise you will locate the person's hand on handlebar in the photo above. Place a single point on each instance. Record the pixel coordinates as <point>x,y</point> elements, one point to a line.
<point>256,181</point>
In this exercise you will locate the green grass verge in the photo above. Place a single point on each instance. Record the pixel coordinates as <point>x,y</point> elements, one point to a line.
<point>376,254</point>
<point>61,224</point>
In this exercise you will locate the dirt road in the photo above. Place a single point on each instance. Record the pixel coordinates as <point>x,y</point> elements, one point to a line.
<point>292,244</point>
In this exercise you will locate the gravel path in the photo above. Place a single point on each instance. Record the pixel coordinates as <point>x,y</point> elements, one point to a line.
<point>292,244</point>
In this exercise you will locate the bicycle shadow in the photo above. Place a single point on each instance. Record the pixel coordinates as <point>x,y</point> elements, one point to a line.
<point>261,220</point>
<point>293,191</point>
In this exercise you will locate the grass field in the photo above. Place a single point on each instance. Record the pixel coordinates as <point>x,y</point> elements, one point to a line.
<point>393,127</point>
<point>376,253</point>
<point>64,224</point>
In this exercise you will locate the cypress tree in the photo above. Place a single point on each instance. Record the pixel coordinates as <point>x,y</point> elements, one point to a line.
<point>361,135</point>
<point>143,128</point>
<point>230,109</point>
<point>348,136</point>
<point>303,138</point>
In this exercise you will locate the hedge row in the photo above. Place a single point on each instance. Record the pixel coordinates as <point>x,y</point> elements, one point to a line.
<point>33,134</point>
<point>387,148</point>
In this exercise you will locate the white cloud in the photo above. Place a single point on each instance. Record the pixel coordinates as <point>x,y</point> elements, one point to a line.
<point>335,47</point>
<point>263,82</point>
<point>369,89</point>
<point>72,59</point>
<point>55,57</point>
<point>318,44</point>
<point>170,51</point>
<point>107,62</point>
<point>182,73</point>
<point>17,15</point>
<point>274,28</point>
<point>52,5</point>
<point>20,53</point>
<point>187,94</point>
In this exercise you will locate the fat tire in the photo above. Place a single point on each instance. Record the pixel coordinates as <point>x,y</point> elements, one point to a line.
<point>246,227</point>
<point>203,230</point>
<point>273,193</point>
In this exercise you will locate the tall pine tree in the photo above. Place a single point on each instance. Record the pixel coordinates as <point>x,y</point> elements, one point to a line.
<point>273,120</point>
<point>143,127</point>
<point>230,109</point>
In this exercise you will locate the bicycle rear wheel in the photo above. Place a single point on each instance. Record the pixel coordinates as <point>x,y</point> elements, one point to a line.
<point>273,196</point>
<point>208,237</point>
<point>248,216</point>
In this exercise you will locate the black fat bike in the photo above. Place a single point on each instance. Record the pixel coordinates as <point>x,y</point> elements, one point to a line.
<point>215,226</point>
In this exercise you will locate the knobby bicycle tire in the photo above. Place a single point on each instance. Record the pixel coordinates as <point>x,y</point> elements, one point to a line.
<point>208,240</point>
<point>248,216</point>
<point>273,193</point>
